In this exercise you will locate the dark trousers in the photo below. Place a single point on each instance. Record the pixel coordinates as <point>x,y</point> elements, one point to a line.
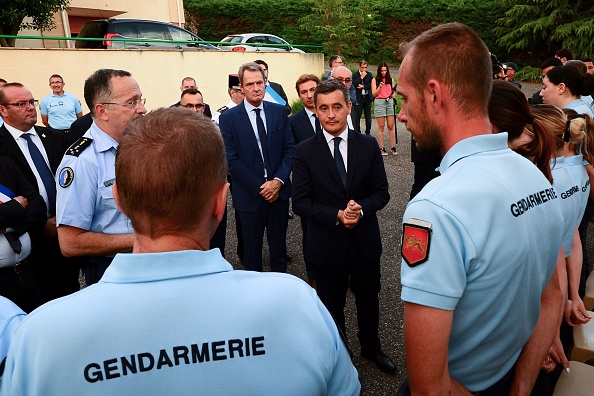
<point>363,278</point>
<point>218,239</point>
<point>309,267</point>
<point>96,268</point>
<point>273,218</point>
<point>363,107</point>
<point>424,173</point>
<point>22,289</point>
<point>57,276</point>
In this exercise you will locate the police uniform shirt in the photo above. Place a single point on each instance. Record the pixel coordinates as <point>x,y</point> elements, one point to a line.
<point>10,318</point>
<point>580,106</point>
<point>181,323</point>
<point>84,186</point>
<point>490,248</point>
<point>217,114</point>
<point>60,110</point>
<point>576,165</point>
<point>567,190</point>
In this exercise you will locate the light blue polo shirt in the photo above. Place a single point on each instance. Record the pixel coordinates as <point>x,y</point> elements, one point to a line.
<point>569,191</point>
<point>580,106</point>
<point>60,110</point>
<point>495,235</point>
<point>181,323</point>
<point>576,165</point>
<point>10,318</point>
<point>84,187</point>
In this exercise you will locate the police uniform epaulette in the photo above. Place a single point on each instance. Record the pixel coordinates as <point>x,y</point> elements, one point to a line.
<point>79,146</point>
<point>223,109</point>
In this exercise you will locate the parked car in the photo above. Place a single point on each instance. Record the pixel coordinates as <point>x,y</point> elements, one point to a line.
<point>250,41</point>
<point>138,29</point>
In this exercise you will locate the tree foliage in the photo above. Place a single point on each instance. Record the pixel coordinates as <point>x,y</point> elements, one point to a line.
<point>532,24</point>
<point>13,12</point>
<point>343,27</point>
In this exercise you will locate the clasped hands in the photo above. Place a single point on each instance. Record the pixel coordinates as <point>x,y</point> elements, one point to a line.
<point>350,215</point>
<point>269,190</point>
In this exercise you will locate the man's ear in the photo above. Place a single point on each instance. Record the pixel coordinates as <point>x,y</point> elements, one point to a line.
<point>116,197</point>
<point>101,111</point>
<point>220,202</point>
<point>434,94</point>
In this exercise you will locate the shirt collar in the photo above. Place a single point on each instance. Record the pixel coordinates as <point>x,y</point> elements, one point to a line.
<point>344,135</point>
<point>249,107</point>
<point>16,133</point>
<point>147,267</point>
<point>103,142</point>
<point>473,145</point>
<point>308,112</point>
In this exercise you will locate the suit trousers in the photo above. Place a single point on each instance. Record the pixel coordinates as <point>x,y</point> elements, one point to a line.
<point>272,217</point>
<point>363,107</point>
<point>363,278</point>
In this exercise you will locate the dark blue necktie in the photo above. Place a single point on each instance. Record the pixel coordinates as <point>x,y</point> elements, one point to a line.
<point>317,122</point>
<point>47,178</point>
<point>263,142</point>
<point>339,161</point>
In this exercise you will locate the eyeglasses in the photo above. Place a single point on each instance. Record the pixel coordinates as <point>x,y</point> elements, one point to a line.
<point>22,105</point>
<point>344,80</point>
<point>192,106</point>
<point>134,104</point>
<point>56,82</point>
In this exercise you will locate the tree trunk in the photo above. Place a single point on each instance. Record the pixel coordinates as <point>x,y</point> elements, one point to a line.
<point>9,30</point>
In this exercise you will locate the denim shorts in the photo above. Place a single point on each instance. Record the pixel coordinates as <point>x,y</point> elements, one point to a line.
<point>383,107</point>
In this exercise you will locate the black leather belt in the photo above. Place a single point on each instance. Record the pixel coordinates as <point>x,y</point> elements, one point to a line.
<point>15,269</point>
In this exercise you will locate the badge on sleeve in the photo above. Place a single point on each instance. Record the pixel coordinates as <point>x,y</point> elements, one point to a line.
<point>416,240</point>
<point>66,177</point>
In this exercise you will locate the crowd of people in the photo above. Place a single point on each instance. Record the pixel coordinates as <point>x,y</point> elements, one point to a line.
<point>493,242</point>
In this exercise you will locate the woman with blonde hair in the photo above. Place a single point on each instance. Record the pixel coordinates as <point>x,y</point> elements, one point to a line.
<point>382,89</point>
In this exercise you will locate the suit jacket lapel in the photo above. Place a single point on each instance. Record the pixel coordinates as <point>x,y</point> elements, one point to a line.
<point>247,126</point>
<point>12,147</point>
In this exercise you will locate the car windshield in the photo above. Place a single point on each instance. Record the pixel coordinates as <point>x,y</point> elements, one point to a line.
<point>231,39</point>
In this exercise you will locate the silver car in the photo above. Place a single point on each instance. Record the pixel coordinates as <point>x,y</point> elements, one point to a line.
<point>256,42</point>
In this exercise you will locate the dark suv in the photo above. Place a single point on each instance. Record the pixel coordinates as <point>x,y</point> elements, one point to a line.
<point>138,29</point>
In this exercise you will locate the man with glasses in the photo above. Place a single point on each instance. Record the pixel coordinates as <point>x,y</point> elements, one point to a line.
<point>189,82</point>
<point>89,222</point>
<point>345,76</point>
<point>59,109</point>
<point>192,99</point>
<point>37,152</point>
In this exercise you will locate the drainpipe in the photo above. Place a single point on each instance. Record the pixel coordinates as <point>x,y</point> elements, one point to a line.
<point>179,22</point>
<point>66,27</point>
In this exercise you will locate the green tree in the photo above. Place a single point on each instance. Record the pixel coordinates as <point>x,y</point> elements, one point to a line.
<point>13,12</point>
<point>534,24</point>
<point>347,28</point>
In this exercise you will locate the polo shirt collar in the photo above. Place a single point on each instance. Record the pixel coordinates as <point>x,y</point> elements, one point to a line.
<point>473,145</point>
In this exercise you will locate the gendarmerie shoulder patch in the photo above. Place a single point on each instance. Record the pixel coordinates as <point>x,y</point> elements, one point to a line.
<point>79,146</point>
<point>66,176</point>
<point>223,109</point>
<point>416,240</point>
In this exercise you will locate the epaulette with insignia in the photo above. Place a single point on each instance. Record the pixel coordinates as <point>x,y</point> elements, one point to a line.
<point>223,109</point>
<point>79,146</point>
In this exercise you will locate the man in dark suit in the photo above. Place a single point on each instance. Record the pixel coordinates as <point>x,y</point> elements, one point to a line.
<point>259,147</point>
<point>339,183</point>
<point>362,83</point>
<point>22,214</point>
<point>37,152</point>
<point>277,95</point>
<point>305,124</point>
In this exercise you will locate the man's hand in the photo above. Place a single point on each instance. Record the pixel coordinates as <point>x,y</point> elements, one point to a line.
<point>269,190</point>
<point>350,215</point>
<point>556,356</point>
<point>50,227</point>
<point>22,200</point>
